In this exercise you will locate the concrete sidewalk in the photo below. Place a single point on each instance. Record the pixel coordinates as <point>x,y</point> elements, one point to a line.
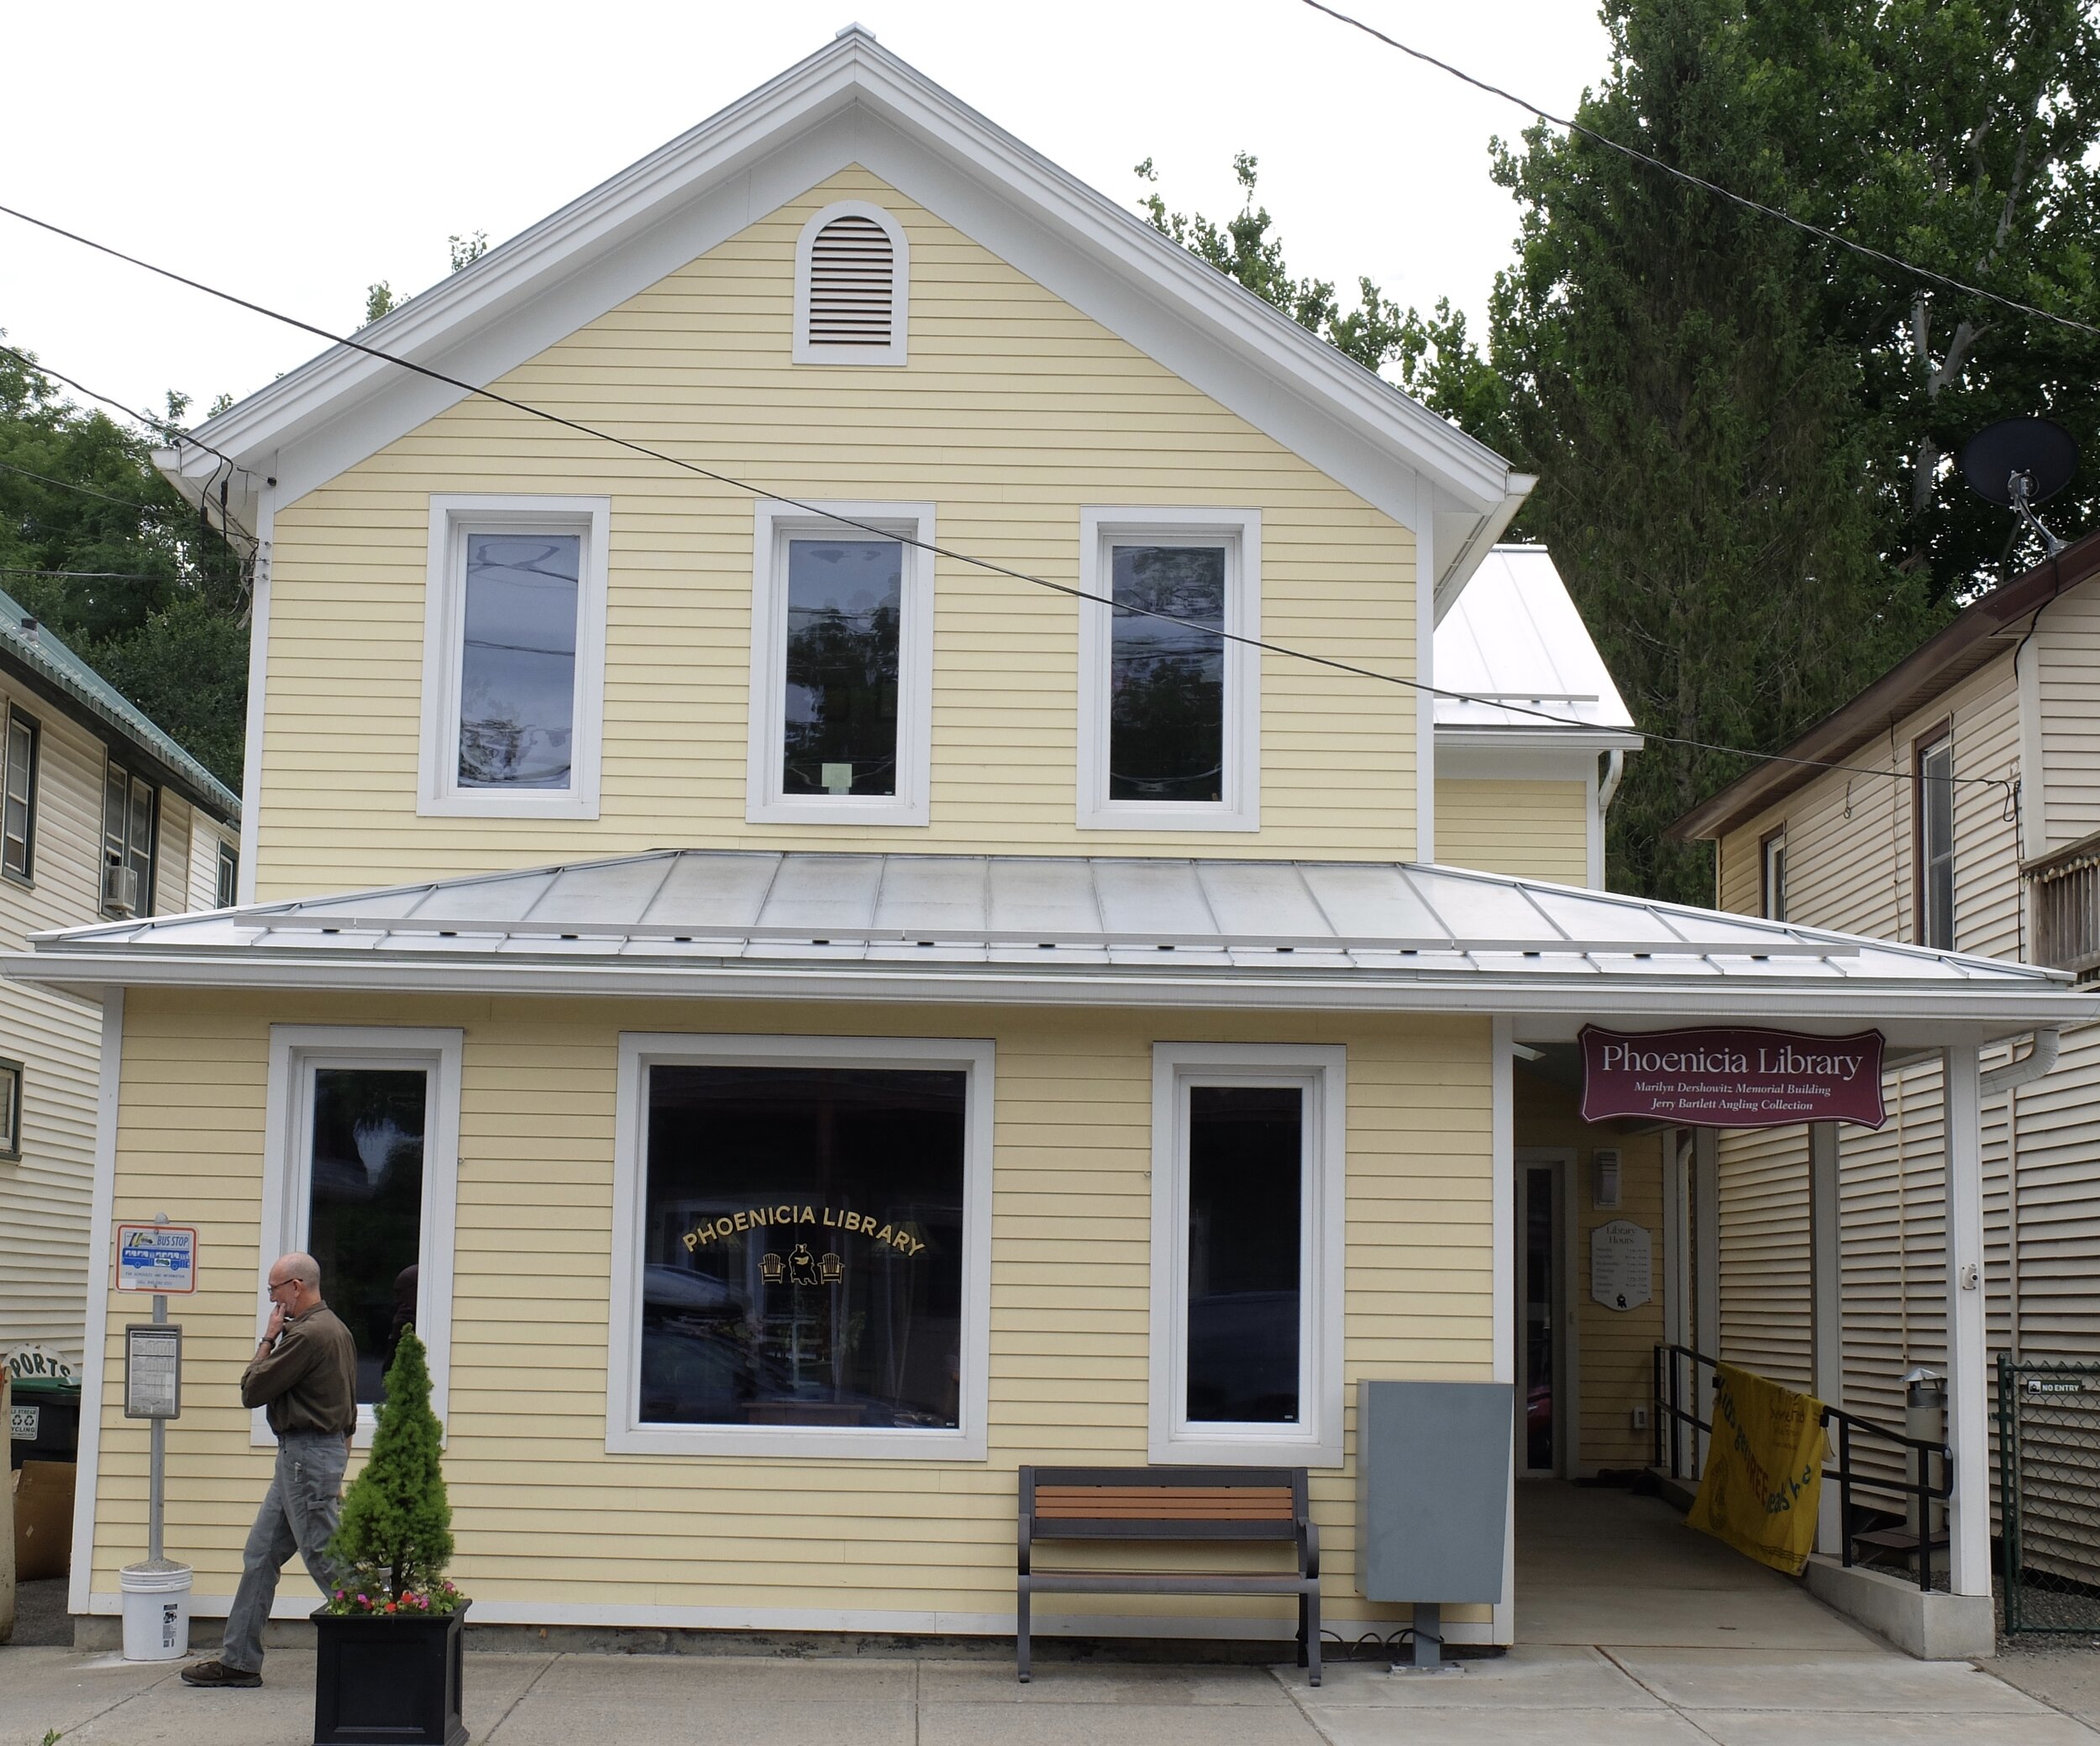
<point>1547,1695</point>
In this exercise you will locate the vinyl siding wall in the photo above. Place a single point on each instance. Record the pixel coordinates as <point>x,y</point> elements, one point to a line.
<point>1530,829</point>
<point>44,1196</point>
<point>544,1514</point>
<point>2065,651</point>
<point>1014,411</point>
<point>2041,1173</point>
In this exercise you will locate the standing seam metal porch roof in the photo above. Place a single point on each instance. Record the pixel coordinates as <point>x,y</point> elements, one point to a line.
<point>1043,912</point>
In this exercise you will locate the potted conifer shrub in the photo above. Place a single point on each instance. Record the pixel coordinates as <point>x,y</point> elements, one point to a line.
<point>390,1636</point>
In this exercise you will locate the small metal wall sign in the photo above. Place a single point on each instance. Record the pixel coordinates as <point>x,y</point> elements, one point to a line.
<point>157,1258</point>
<point>1736,1077</point>
<point>153,1371</point>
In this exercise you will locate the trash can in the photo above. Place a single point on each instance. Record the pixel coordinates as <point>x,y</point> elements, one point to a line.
<point>45,1423</point>
<point>156,1610</point>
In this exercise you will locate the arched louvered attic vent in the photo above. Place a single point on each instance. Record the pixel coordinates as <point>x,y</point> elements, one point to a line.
<point>851,284</point>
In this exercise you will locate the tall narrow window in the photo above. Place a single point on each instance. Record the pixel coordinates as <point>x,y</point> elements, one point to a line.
<point>1169,690</point>
<point>513,664</point>
<point>845,601</point>
<point>1935,842</point>
<point>128,809</point>
<point>1772,876</point>
<point>10,1110</point>
<point>517,660</point>
<point>842,650</point>
<point>1247,1224</point>
<point>227,892</point>
<point>361,1173</point>
<point>17,798</point>
<point>364,1205</point>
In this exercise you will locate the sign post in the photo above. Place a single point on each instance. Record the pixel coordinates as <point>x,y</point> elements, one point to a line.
<point>161,1258</point>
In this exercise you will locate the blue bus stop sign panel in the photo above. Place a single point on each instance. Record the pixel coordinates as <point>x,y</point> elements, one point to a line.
<point>157,1258</point>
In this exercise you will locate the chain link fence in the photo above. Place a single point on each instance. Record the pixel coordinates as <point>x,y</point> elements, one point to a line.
<point>2049,1492</point>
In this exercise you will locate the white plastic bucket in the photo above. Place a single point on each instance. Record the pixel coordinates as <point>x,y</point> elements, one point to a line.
<point>156,1611</point>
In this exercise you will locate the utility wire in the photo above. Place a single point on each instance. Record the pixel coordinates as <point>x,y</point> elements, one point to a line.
<point>940,551</point>
<point>67,484</point>
<point>1700,181</point>
<point>16,570</point>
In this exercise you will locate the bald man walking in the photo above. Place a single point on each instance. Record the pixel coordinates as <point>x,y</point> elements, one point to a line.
<point>304,1374</point>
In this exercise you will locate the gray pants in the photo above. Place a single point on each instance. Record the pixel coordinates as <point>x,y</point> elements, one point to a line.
<point>299,1514</point>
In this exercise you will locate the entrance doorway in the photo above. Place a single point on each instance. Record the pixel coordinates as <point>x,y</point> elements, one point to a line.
<point>1546,1393</point>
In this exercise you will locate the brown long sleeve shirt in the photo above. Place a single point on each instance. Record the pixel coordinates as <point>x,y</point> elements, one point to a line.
<point>307,1381</point>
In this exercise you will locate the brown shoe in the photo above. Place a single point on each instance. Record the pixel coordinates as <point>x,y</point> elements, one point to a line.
<point>218,1673</point>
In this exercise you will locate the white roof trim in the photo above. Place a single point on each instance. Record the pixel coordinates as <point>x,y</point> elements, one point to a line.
<point>855,102</point>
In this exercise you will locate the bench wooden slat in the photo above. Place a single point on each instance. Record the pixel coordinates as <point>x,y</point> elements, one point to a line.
<point>1244,1503</point>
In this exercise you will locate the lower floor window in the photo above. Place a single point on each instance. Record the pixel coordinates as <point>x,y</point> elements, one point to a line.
<point>809,1218</point>
<point>1247,1176</point>
<point>805,1247</point>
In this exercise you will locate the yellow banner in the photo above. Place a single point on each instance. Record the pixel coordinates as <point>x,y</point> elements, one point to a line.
<point>1764,1471</point>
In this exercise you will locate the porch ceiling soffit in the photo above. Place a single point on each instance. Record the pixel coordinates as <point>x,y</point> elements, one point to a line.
<point>1061,930</point>
<point>853,102</point>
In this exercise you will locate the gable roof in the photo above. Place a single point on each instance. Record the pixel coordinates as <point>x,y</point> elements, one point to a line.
<point>1514,635</point>
<point>52,670</point>
<point>1067,929</point>
<point>1984,629</point>
<point>853,102</point>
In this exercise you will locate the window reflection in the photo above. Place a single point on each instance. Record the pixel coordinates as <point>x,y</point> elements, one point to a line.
<point>1246,1169</point>
<point>1167,680</point>
<point>364,1205</point>
<point>518,669</point>
<point>844,611</point>
<point>804,1247</point>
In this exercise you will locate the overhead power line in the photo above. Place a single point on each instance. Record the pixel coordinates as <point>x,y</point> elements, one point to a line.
<point>16,570</point>
<point>1638,156</point>
<point>989,565</point>
<point>67,484</point>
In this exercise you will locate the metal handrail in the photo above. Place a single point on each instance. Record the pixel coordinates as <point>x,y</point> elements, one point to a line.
<point>1918,1453</point>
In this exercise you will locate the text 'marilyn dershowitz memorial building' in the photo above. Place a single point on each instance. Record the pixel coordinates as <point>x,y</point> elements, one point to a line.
<point>807,1023</point>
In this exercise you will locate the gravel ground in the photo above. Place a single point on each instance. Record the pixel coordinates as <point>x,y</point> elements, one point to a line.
<point>40,1618</point>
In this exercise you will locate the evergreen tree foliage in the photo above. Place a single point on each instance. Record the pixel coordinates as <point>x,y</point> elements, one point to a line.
<point>395,1535</point>
<point>98,546</point>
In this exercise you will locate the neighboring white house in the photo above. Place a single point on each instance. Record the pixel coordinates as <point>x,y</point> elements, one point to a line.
<point>105,816</point>
<point>1968,817</point>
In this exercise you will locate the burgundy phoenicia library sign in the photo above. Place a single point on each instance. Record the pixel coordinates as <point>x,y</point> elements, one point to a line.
<point>1738,1077</point>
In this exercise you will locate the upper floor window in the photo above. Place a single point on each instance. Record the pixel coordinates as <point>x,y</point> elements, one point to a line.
<point>842,658</point>
<point>1170,704</point>
<point>128,811</point>
<point>1772,877</point>
<point>18,797</point>
<point>227,892</point>
<point>10,1110</point>
<point>852,287</point>
<point>514,656</point>
<point>1936,840</point>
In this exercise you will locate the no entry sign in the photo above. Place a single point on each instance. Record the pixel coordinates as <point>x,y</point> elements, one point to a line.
<point>1737,1078</point>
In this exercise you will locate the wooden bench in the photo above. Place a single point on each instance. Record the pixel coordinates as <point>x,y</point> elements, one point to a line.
<point>1206,1505</point>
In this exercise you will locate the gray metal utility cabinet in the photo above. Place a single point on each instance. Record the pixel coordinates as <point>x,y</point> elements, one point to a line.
<point>1433,1496</point>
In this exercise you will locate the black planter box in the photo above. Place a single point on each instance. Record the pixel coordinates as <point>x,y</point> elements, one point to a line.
<point>388,1681</point>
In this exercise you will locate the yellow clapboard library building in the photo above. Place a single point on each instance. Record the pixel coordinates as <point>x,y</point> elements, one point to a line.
<point>802,920</point>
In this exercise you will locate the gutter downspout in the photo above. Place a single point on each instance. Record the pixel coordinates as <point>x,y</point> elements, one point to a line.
<point>1606,787</point>
<point>2038,1059</point>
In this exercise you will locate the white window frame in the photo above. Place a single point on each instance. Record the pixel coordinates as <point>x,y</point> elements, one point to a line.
<point>12,1076</point>
<point>12,718</point>
<point>1771,875</point>
<point>1240,532</point>
<point>774,525</point>
<point>452,518</point>
<point>895,353</point>
<point>1320,1071</point>
<point>639,1051</point>
<point>296,1051</point>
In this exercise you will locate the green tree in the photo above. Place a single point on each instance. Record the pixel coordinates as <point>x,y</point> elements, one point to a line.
<point>396,1534</point>
<point>98,546</point>
<point>1743,433</point>
<point>379,299</point>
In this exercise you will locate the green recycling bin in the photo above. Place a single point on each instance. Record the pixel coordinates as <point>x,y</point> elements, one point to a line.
<point>45,1423</point>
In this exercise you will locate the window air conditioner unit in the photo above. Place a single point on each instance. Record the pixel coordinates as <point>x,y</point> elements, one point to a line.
<point>120,890</point>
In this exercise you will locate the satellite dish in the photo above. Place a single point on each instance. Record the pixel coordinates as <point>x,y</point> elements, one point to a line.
<point>2038,452</point>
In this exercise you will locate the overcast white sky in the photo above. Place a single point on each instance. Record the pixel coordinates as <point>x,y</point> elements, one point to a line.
<point>295,152</point>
